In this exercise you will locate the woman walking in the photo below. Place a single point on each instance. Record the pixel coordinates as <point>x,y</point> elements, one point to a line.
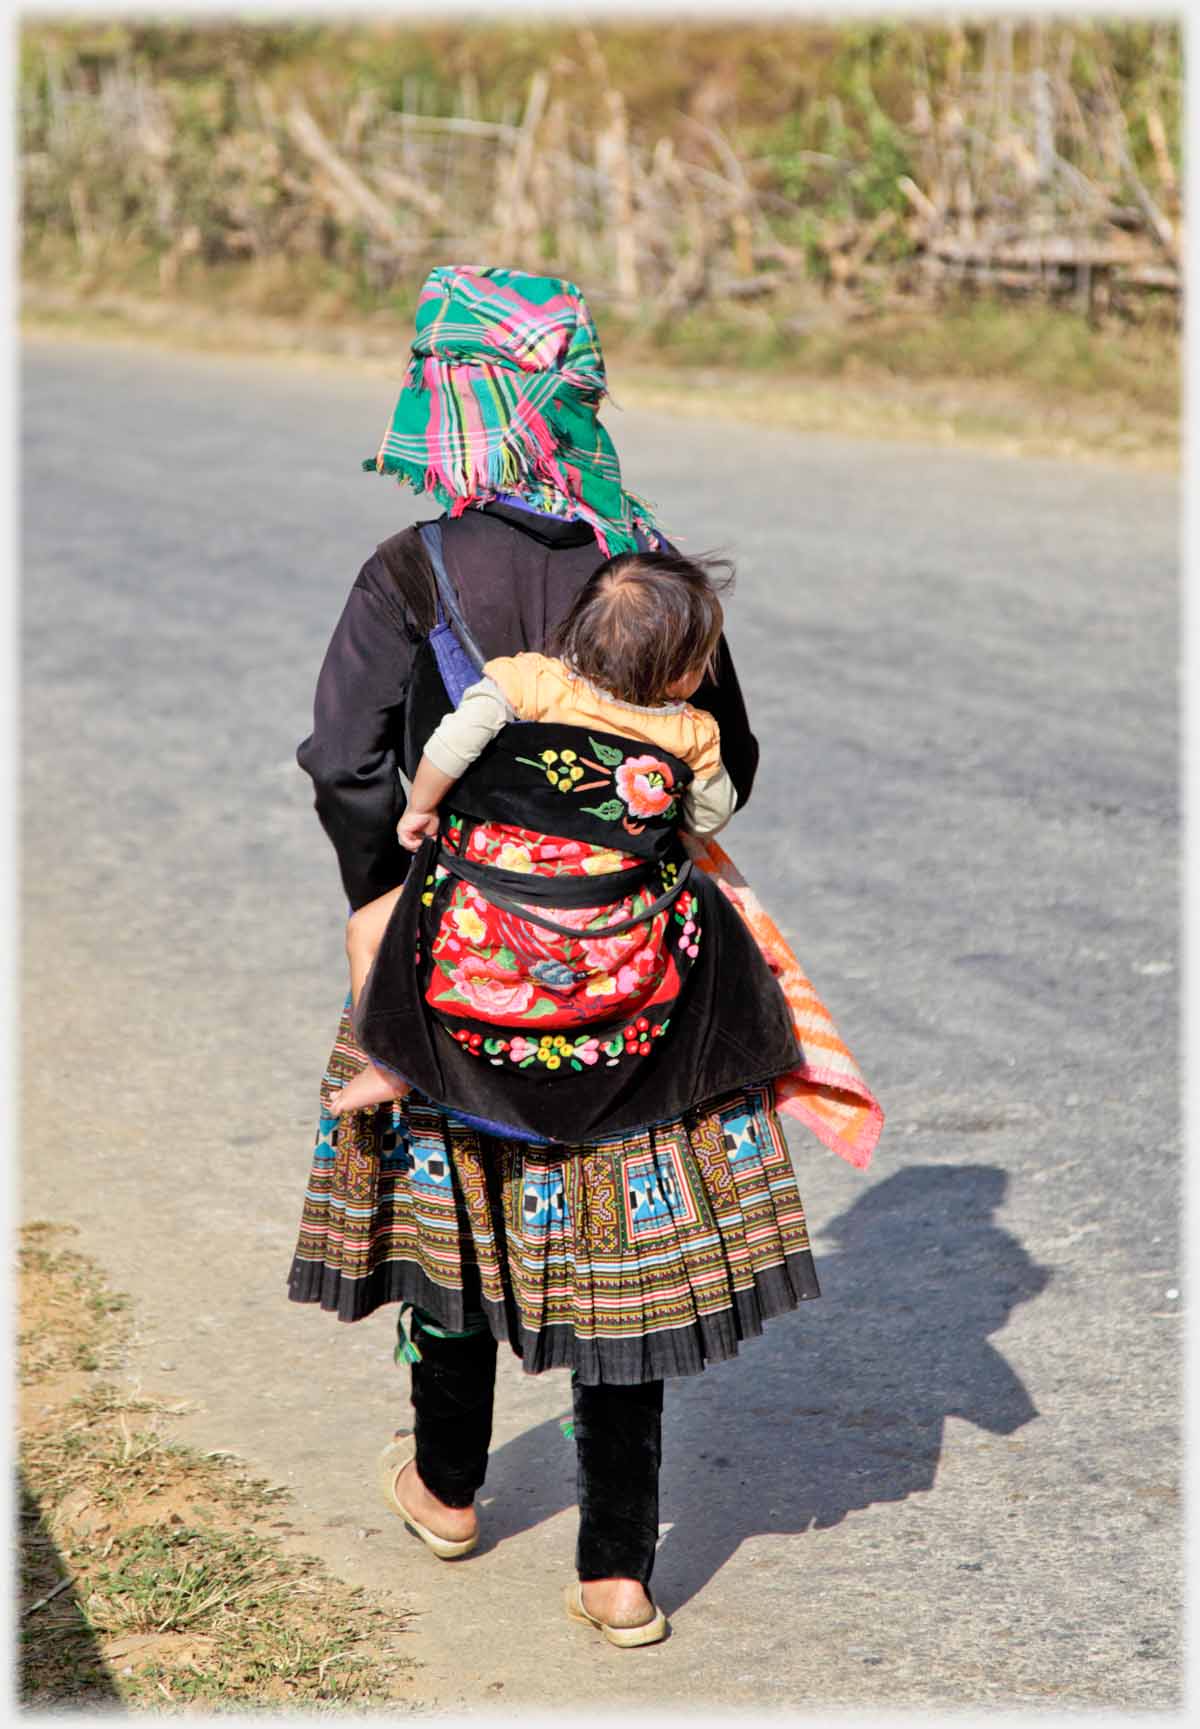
<point>628,1259</point>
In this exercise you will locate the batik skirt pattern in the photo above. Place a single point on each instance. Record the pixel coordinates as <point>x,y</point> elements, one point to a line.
<point>644,1255</point>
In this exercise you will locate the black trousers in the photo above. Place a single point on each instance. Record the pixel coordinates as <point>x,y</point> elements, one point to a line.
<point>618,1441</point>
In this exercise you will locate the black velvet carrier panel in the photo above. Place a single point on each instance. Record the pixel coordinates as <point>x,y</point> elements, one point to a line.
<point>728,1027</point>
<point>576,782</point>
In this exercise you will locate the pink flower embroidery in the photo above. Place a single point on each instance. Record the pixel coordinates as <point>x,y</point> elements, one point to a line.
<point>520,1048</point>
<point>588,1052</point>
<point>608,953</point>
<point>476,981</point>
<point>576,917</point>
<point>645,784</point>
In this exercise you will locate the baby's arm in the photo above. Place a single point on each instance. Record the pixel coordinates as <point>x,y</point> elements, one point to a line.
<point>711,799</point>
<point>709,804</point>
<point>452,747</point>
<point>420,818</point>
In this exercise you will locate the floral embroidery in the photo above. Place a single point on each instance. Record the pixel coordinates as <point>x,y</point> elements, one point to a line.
<point>515,974</point>
<point>603,862</point>
<point>550,998</point>
<point>487,989</point>
<point>548,855</point>
<point>514,858</point>
<point>561,768</point>
<point>468,924</point>
<point>555,1051</point>
<point>685,912</point>
<point>437,875</point>
<point>644,785</point>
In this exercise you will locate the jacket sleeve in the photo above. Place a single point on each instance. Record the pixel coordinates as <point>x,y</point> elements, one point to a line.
<point>721,695</point>
<point>709,804</point>
<point>354,750</point>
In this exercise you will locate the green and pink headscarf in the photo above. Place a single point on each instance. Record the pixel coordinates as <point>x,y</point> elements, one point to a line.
<point>501,397</point>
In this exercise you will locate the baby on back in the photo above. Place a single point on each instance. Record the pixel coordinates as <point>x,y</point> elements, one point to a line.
<point>634,647</point>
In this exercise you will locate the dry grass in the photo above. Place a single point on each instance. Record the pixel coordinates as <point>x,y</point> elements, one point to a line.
<point>708,167</point>
<point>1008,419</point>
<point>153,1575</point>
<point>965,233</point>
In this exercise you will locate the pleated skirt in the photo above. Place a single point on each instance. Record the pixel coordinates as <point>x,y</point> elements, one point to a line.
<point>641,1256</point>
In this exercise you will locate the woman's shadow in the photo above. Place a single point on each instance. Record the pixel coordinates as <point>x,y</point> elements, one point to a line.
<point>837,1407</point>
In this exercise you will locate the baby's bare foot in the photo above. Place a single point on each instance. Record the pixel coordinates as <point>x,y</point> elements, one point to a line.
<point>369,1087</point>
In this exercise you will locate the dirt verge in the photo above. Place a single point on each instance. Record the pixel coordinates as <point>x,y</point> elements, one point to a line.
<point>153,1575</point>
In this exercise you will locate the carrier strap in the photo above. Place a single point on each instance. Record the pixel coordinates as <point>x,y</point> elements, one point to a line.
<point>459,657</point>
<point>448,607</point>
<point>460,661</point>
<point>571,891</point>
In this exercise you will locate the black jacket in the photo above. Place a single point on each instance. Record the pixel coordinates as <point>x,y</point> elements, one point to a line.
<point>516,574</point>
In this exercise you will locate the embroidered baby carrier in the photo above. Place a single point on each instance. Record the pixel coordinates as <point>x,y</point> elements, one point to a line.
<point>555,969</point>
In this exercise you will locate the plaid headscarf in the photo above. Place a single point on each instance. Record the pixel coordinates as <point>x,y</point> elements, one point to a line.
<point>501,397</point>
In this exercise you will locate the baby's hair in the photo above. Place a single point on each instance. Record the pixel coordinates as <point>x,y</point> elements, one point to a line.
<point>643,621</point>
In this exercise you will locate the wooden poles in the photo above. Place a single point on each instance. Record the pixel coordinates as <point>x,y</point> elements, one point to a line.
<point>1007,176</point>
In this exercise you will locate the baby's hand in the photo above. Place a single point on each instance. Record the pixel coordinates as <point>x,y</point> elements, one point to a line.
<point>415,825</point>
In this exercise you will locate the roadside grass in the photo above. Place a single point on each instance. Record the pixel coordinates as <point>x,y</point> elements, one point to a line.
<point>1022,380</point>
<point>151,1574</point>
<point>1048,348</point>
<point>1011,419</point>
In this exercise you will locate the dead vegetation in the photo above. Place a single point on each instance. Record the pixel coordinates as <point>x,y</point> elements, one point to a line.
<point>1031,159</point>
<point>153,1576</point>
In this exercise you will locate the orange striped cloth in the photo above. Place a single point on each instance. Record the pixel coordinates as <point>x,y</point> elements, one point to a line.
<point>827,1093</point>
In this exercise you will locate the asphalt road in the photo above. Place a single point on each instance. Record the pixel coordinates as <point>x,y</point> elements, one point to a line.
<point>954,1480</point>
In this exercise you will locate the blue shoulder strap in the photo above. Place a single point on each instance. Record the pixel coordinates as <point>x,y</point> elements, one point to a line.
<point>458,655</point>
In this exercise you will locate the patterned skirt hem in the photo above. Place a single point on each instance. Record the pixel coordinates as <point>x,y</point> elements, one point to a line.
<point>646,1255</point>
<point>653,1356</point>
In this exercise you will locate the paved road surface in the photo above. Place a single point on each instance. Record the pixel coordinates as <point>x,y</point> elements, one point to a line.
<point>951,1482</point>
